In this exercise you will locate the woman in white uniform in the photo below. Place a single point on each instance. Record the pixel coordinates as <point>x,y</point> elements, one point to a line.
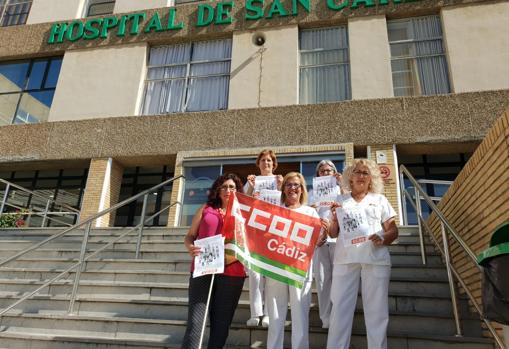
<point>324,253</point>
<point>362,215</point>
<point>294,197</point>
<point>267,164</point>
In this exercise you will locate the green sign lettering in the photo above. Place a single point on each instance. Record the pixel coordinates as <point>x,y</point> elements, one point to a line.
<point>223,15</point>
<point>92,31</point>
<point>108,23</point>
<point>254,12</point>
<point>154,23</point>
<point>277,8</point>
<point>367,3</point>
<point>219,13</point>
<point>73,35</point>
<point>57,30</point>
<point>303,3</point>
<point>171,20</point>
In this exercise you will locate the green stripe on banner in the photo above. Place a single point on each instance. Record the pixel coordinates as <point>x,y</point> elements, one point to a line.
<point>292,279</point>
<point>272,262</point>
<point>270,274</point>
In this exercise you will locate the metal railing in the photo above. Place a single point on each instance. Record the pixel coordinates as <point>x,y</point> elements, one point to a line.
<point>435,199</point>
<point>87,225</point>
<point>51,206</point>
<point>447,231</point>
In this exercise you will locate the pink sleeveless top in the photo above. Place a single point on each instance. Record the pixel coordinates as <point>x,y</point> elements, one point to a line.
<point>211,224</point>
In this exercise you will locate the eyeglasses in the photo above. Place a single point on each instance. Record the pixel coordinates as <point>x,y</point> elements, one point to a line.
<point>327,170</point>
<point>292,185</point>
<point>362,173</point>
<point>228,188</point>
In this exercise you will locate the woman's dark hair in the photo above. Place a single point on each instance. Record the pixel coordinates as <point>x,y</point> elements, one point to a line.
<point>213,199</point>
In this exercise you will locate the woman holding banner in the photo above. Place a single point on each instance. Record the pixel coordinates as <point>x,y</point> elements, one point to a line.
<point>294,197</point>
<point>365,222</point>
<point>267,164</point>
<point>324,253</point>
<point>227,287</point>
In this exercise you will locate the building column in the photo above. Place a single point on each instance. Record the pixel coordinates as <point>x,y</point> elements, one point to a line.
<point>102,190</point>
<point>386,159</point>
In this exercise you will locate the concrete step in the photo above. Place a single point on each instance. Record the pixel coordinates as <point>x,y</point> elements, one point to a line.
<point>155,304</point>
<point>114,252</point>
<point>171,288</point>
<point>124,332</point>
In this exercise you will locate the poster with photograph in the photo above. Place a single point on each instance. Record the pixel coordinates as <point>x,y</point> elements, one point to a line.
<point>271,196</point>
<point>353,225</point>
<point>265,183</point>
<point>325,190</point>
<point>211,258</point>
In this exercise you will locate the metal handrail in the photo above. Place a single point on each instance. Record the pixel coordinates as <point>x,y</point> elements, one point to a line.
<point>88,220</point>
<point>419,195</point>
<point>82,258</point>
<point>9,184</point>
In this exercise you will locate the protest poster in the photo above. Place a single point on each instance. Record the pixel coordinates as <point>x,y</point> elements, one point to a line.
<point>325,190</point>
<point>271,196</point>
<point>211,257</point>
<point>353,225</point>
<point>265,183</point>
<point>272,240</point>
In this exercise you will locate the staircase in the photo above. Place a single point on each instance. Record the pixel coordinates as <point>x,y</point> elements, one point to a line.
<point>128,303</point>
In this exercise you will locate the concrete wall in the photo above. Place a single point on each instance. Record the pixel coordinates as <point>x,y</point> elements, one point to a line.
<point>477,46</point>
<point>136,5</point>
<point>55,10</point>
<point>370,57</point>
<point>263,76</point>
<point>476,203</point>
<point>100,83</point>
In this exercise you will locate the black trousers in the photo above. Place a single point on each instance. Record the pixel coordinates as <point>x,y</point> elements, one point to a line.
<point>223,302</point>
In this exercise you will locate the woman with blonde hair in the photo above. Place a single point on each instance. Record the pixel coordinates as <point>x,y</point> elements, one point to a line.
<point>294,197</point>
<point>364,222</point>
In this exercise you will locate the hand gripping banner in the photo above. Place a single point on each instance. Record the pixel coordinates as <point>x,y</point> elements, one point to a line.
<point>271,240</point>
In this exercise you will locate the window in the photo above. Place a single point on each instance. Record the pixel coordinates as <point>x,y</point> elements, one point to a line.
<point>136,180</point>
<point>188,77</point>
<point>100,7</point>
<point>27,89</point>
<point>417,57</point>
<point>324,65</point>
<point>14,12</point>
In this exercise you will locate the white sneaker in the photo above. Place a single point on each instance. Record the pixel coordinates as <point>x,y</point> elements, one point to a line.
<point>265,321</point>
<point>253,322</point>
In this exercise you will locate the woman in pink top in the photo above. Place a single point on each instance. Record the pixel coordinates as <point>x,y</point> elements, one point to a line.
<point>208,221</point>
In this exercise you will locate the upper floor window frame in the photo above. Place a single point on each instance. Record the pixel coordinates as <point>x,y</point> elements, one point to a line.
<point>342,62</point>
<point>92,4</point>
<point>26,82</point>
<point>187,76</point>
<point>14,12</point>
<point>421,79</point>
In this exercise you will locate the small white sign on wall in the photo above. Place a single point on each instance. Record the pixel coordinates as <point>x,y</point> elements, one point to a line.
<point>381,157</point>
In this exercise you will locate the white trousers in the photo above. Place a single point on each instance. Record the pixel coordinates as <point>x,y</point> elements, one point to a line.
<point>257,294</point>
<point>322,271</point>
<point>277,306</point>
<point>375,301</point>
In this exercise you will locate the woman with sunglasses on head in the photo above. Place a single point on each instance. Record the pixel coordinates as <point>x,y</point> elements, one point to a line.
<point>294,197</point>
<point>227,287</point>
<point>267,164</point>
<point>324,253</point>
<point>364,215</point>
